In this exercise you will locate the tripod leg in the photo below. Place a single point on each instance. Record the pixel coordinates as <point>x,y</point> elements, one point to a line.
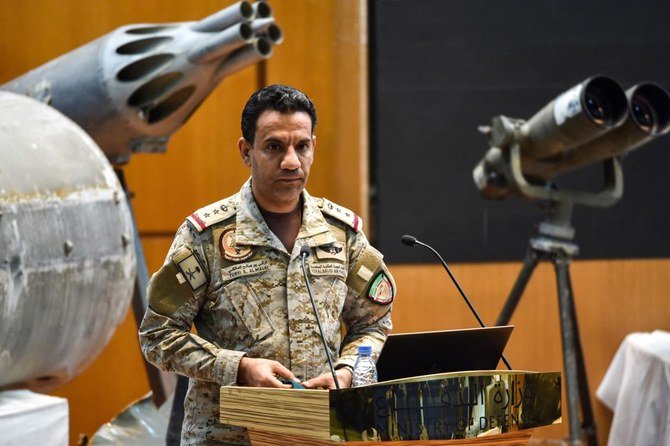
<point>573,362</point>
<point>529,264</point>
<point>588,422</point>
<point>569,356</point>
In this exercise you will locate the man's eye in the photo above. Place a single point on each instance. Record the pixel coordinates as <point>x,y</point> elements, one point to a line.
<point>303,147</point>
<point>274,147</point>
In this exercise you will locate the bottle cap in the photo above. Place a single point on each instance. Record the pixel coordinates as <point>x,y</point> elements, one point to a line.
<point>364,349</point>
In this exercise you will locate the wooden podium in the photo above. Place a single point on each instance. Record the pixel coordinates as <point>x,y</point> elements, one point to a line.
<point>474,408</point>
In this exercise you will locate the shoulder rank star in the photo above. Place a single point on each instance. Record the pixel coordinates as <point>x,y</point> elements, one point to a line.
<point>229,249</point>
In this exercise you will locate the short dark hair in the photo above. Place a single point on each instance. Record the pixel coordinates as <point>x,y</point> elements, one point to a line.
<point>281,98</point>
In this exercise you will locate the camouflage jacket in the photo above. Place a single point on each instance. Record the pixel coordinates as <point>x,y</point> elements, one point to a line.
<point>230,276</point>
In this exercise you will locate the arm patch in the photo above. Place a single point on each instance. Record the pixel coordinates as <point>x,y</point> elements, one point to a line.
<point>382,289</point>
<point>190,268</point>
<point>166,293</point>
<point>176,282</point>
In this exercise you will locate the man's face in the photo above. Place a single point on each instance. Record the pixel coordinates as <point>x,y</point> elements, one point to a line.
<point>280,158</point>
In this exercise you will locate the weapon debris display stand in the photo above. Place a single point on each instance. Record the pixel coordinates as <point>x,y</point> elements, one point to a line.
<point>496,407</point>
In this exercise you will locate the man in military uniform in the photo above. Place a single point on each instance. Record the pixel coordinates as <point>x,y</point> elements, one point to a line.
<point>234,271</point>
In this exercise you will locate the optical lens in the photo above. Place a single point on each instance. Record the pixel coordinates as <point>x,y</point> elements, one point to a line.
<point>643,114</point>
<point>598,107</point>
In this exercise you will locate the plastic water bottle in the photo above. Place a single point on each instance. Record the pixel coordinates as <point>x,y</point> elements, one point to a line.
<point>365,371</point>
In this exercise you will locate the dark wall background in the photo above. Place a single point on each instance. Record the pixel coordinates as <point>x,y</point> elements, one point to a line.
<point>441,68</point>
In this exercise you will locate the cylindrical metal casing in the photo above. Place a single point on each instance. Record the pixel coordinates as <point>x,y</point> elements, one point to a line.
<point>228,16</point>
<point>568,121</point>
<point>67,261</point>
<point>630,135</point>
<point>250,54</point>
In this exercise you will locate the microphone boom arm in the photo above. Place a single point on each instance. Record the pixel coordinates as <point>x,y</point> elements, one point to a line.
<point>453,279</point>
<point>412,241</point>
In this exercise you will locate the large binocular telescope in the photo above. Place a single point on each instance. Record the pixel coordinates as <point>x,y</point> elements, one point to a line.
<point>593,121</point>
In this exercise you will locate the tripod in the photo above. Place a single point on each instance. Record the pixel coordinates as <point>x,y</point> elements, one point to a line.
<point>553,244</point>
<point>500,174</point>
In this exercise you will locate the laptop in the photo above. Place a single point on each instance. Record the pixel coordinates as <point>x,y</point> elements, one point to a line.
<point>413,354</point>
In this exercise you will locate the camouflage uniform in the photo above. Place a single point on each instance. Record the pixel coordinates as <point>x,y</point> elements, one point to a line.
<point>231,277</point>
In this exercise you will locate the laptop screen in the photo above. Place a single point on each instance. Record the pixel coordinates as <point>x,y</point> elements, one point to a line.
<point>414,354</point>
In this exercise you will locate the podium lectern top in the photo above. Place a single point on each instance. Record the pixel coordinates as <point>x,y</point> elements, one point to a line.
<point>460,405</point>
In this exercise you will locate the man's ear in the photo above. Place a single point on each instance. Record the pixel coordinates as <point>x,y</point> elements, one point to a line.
<point>244,147</point>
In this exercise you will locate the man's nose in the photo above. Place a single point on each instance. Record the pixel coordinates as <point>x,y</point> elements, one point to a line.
<point>290,160</point>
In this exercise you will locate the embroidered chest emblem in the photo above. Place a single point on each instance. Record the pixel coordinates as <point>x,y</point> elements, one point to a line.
<point>229,249</point>
<point>330,251</point>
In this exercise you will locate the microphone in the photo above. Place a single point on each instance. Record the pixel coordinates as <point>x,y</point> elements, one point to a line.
<point>412,241</point>
<point>304,253</point>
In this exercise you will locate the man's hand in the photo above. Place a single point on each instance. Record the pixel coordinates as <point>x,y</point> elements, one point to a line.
<point>325,381</point>
<point>259,372</point>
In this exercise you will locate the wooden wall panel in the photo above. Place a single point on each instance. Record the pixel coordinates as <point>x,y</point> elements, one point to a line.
<point>351,107</point>
<point>155,249</point>
<point>308,36</point>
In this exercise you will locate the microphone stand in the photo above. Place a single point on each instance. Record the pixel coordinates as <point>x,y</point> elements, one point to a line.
<point>412,241</point>
<point>304,253</point>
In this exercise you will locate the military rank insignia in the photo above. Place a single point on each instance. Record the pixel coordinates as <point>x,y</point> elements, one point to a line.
<point>229,249</point>
<point>381,291</point>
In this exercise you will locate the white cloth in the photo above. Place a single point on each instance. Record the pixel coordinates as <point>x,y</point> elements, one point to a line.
<point>637,388</point>
<point>28,418</point>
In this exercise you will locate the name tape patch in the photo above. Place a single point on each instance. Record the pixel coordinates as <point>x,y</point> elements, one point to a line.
<point>327,269</point>
<point>245,269</point>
